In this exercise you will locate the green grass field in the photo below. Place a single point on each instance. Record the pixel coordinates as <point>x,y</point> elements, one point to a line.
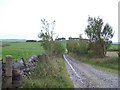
<point>21,49</point>
<point>114,46</point>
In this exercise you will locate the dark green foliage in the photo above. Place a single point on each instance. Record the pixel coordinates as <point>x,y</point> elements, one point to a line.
<point>47,45</point>
<point>53,48</point>
<point>90,53</point>
<point>71,45</point>
<point>99,36</point>
<point>78,47</point>
<point>83,47</point>
<point>58,48</point>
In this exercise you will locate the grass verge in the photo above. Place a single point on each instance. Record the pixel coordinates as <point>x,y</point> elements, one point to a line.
<point>108,70</point>
<point>50,73</point>
<point>107,64</point>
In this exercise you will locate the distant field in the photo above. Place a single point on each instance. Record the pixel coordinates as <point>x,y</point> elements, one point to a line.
<point>21,49</point>
<point>27,49</point>
<point>114,46</point>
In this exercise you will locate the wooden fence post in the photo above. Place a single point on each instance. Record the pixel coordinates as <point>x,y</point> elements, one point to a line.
<point>8,72</point>
<point>0,75</point>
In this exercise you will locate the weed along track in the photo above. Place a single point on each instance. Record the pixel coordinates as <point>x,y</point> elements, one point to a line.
<point>76,74</point>
<point>85,76</point>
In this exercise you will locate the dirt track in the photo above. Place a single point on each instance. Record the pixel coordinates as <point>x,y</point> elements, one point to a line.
<point>85,76</point>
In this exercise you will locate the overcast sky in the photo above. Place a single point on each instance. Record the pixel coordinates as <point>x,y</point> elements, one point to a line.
<point>20,19</point>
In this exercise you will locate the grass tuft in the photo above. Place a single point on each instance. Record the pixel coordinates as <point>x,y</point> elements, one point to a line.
<point>50,73</point>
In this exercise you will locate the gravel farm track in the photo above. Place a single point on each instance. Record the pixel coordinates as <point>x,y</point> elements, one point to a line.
<point>85,76</point>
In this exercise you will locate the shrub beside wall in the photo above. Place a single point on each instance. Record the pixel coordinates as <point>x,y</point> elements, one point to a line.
<point>78,47</point>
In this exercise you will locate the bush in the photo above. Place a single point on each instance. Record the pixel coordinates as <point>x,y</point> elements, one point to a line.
<point>77,47</point>
<point>71,45</point>
<point>58,48</point>
<point>90,53</point>
<point>53,48</point>
<point>83,47</point>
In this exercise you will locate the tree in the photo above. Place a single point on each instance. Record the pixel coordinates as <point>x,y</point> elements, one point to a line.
<point>47,36</point>
<point>99,35</point>
<point>51,47</point>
